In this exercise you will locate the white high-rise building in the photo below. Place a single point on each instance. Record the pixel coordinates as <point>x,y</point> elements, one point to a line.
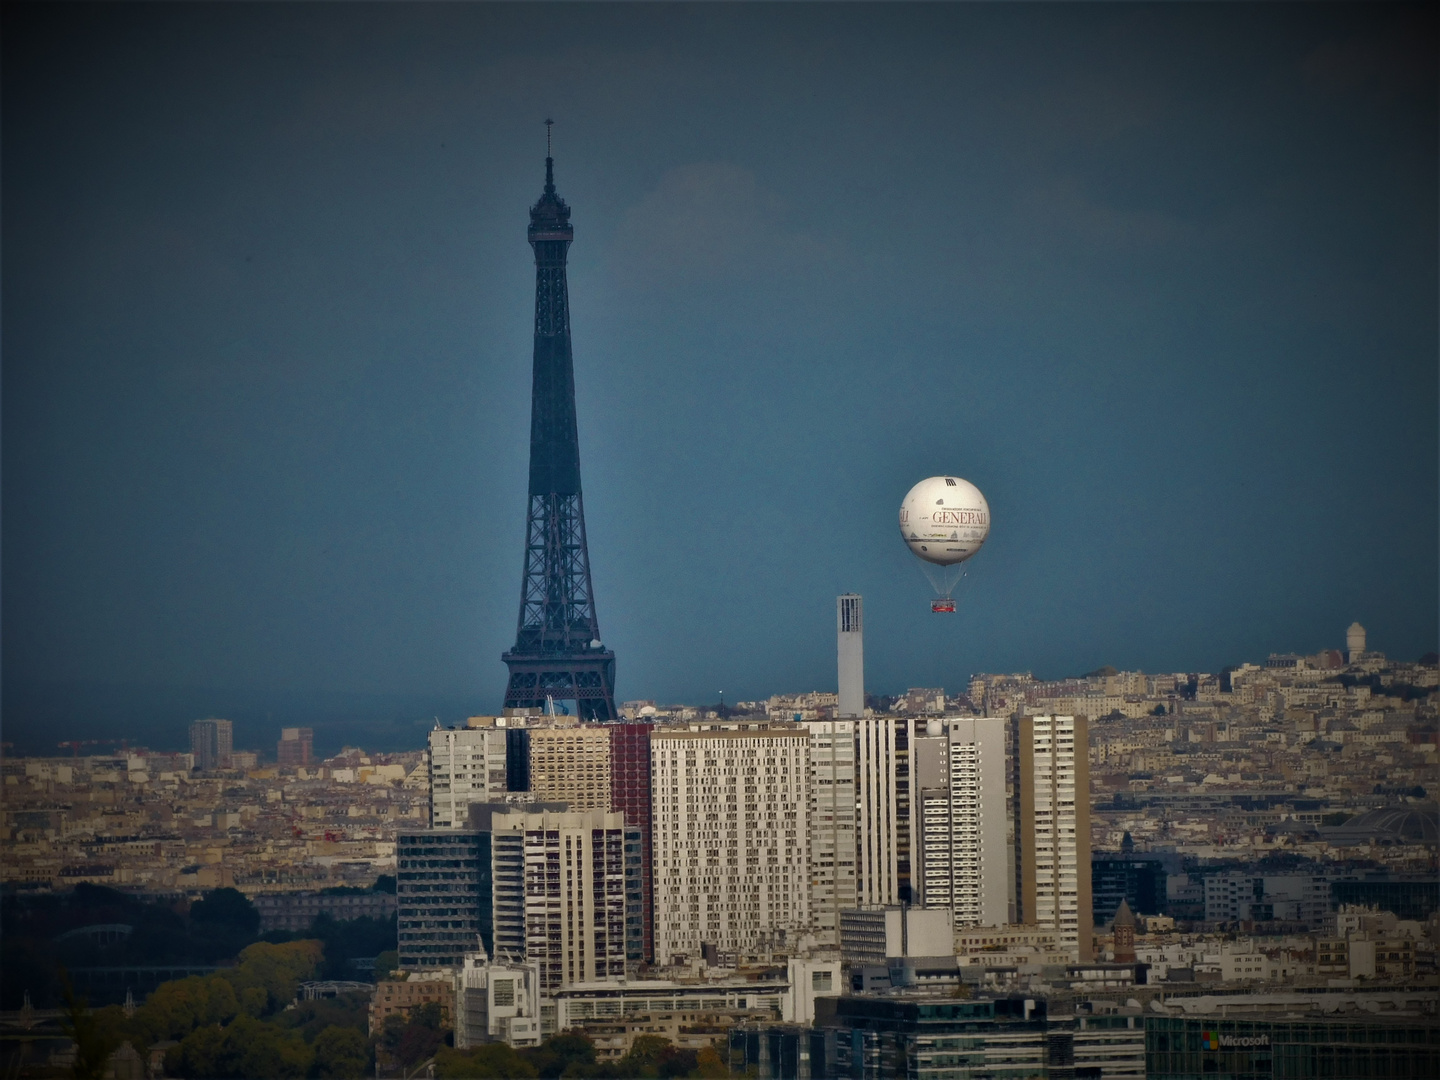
<point>832,825</point>
<point>1052,828</point>
<point>467,765</point>
<point>730,809</point>
<point>884,821</point>
<point>558,889</point>
<point>850,646</point>
<point>964,862</point>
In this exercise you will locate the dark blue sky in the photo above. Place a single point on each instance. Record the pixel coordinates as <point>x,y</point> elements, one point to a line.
<point>1161,281</point>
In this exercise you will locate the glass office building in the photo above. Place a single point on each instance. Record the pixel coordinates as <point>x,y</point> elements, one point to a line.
<point>1374,1048</point>
<point>876,1038</point>
<point>443,896</point>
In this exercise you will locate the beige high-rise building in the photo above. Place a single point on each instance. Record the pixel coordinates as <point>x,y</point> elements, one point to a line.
<point>570,763</point>
<point>832,825</point>
<point>731,819</point>
<point>1052,829</point>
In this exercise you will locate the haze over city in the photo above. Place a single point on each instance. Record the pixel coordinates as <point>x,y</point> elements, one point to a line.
<point>1160,281</point>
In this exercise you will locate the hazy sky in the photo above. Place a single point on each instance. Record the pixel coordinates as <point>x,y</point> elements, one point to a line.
<point>1161,281</point>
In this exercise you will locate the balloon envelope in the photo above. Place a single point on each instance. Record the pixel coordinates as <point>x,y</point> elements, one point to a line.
<point>944,520</point>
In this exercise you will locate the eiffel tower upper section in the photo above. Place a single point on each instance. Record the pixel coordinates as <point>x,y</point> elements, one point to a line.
<point>558,653</point>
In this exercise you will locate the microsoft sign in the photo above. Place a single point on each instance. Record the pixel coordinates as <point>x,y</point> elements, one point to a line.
<point>1213,1040</point>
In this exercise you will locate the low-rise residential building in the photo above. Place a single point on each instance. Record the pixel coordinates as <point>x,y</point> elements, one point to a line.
<point>397,997</point>
<point>297,910</point>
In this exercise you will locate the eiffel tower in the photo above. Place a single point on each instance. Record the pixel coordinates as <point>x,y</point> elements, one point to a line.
<point>557,653</point>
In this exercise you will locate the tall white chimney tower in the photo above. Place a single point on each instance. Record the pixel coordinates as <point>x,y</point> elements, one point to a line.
<point>851,646</point>
<point>1354,641</point>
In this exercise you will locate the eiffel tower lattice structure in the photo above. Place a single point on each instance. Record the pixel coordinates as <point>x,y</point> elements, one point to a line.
<point>558,654</point>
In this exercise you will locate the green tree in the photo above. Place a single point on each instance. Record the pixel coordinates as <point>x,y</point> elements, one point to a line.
<point>347,939</point>
<point>677,1061</point>
<point>253,1000</point>
<point>92,1049</point>
<point>559,1052</point>
<point>262,1051</point>
<point>276,969</point>
<point>249,1049</point>
<point>709,1066</point>
<point>198,1054</point>
<point>415,1038</point>
<point>310,1018</point>
<point>493,1060</point>
<point>645,1055</point>
<point>341,1053</point>
<point>115,1028</point>
<point>386,962</point>
<point>226,908</point>
<point>220,925</point>
<point>178,1007</point>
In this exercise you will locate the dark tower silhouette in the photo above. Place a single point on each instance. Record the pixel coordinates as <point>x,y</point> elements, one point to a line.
<point>557,652</point>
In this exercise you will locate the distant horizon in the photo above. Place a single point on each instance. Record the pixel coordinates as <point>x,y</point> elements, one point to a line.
<point>385,719</point>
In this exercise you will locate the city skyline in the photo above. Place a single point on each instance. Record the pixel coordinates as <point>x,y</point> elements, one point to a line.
<point>264,425</point>
<point>1106,856</point>
<point>357,723</point>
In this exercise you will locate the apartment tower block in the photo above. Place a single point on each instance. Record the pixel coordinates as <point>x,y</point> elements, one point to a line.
<point>886,833</point>
<point>570,763</point>
<point>832,825</point>
<point>212,742</point>
<point>731,811</point>
<point>467,765</point>
<point>965,861</point>
<point>560,890</point>
<point>630,795</point>
<point>296,748</point>
<point>1052,829</point>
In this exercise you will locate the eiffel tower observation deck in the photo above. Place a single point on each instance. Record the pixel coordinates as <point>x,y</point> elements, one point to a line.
<point>558,655</point>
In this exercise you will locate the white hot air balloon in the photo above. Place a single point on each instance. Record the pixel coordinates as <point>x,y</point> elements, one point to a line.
<point>944,520</point>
